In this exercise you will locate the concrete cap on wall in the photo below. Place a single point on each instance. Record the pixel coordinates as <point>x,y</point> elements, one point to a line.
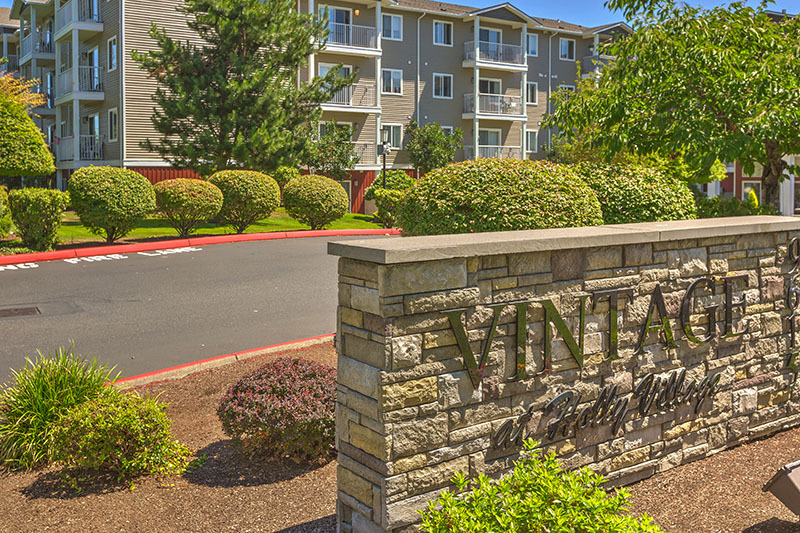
<point>437,247</point>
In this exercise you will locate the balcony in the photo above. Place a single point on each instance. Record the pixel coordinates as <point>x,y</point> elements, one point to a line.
<point>90,148</point>
<point>496,152</point>
<point>360,98</point>
<point>65,149</point>
<point>42,47</point>
<point>49,106</point>
<point>352,39</point>
<point>494,106</point>
<point>90,83</point>
<point>81,15</point>
<point>591,63</point>
<point>366,152</point>
<point>494,55</point>
<point>12,65</point>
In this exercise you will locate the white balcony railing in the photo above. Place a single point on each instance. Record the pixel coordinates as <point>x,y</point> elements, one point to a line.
<point>352,35</point>
<point>498,152</point>
<point>87,11</point>
<point>495,52</point>
<point>359,95</point>
<point>90,79</point>
<point>65,149</point>
<point>64,82</point>
<point>591,63</point>
<point>495,104</point>
<point>43,43</point>
<point>12,65</point>
<point>27,45</point>
<point>366,152</point>
<point>91,147</point>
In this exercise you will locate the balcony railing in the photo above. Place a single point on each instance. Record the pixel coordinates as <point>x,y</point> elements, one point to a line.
<point>65,149</point>
<point>499,152</point>
<point>49,98</point>
<point>366,153</point>
<point>494,52</point>
<point>12,65</point>
<point>590,63</point>
<point>44,43</point>
<point>88,11</point>
<point>352,35</point>
<point>91,147</point>
<point>359,95</point>
<point>495,104</point>
<point>90,79</point>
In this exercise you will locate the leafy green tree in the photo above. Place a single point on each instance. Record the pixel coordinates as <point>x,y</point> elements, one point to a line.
<point>709,84</point>
<point>331,153</point>
<point>23,151</point>
<point>235,100</point>
<point>429,147</point>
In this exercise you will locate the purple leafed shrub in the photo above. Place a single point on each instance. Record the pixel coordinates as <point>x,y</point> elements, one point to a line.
<point>284,409</point>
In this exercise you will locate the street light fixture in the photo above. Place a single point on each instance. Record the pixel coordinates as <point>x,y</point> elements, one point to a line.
<point>386,148</point>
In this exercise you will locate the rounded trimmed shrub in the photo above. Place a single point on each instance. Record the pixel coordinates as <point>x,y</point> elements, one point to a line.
<point>396,180</point>
<point>120,433</point>
<point>248,196</point>
<point>111,201</point>
<point>23,151</point>
<point>498,195</point>
<point>388,202</point>
<point>37,215</point>
<point>285,408</point>
<point>315,200</point>
<point>283,175</point>
<point>187,203</point>
<point>634,193</point>
<point>37,396</point>
<point>5,213</point>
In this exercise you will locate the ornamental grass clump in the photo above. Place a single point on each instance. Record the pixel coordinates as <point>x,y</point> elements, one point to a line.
<point>248,196</point>
<point>498,195</point>
<point>536,497</point>
<point>284,409</point>
<point>187,203</point>
<point>315,200</point>
<point>120,433</point>
<point>37,396</point>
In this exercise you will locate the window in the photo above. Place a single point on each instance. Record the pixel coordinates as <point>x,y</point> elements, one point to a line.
<point>533,44</point>
<point>570,88</point>
<point>392,133</point>
<point>490,86</point>
<point>442,33</point>
<point>112,53</point>
<point>566,49</point>
<point>748,186</point>
<point>532,141</point>
<point>442,85</point>
<point>113,125</point>
<point>532,95</point>
<point>393,27</point>
<point>392,81</point>
<point>448,130</point>
<point>323,127</point>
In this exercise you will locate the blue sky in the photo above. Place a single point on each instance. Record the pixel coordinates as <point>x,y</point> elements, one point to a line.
<point>584,12</point>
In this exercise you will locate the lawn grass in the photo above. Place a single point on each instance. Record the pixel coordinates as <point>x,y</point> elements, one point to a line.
<point>73,232</point>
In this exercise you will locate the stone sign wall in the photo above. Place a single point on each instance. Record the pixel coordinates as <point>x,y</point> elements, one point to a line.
<point>630,349</point>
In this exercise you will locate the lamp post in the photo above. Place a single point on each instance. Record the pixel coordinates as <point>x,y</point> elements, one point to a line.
<point>386,148</point>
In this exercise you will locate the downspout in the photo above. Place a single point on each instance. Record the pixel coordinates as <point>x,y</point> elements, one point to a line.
<point>550,87</point>
<point>417,86</point>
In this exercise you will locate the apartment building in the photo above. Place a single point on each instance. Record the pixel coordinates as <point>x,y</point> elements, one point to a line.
<point>8,27</point>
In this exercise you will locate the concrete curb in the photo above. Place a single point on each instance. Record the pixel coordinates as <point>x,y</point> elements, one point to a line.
<point>182,243</point>
<point>181,371</point>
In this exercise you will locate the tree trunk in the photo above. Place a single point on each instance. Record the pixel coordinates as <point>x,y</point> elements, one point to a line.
<point>772,173</point>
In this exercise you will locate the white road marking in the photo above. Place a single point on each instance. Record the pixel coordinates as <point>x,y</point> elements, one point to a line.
<point>158,253</point>
<point>18,266</point>
<point>94,258</point>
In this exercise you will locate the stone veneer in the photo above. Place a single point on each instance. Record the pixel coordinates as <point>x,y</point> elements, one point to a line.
<point>408,416</point>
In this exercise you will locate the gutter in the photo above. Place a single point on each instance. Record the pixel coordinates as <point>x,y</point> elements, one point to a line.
<point>417,97</point>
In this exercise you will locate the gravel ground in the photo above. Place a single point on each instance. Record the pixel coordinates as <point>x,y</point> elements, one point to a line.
<point>227,493</point>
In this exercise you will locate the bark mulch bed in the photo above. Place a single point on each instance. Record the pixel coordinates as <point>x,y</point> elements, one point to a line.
<point>229,493</point>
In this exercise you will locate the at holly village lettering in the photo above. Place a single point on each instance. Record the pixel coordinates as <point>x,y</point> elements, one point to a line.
<point>656,319</point>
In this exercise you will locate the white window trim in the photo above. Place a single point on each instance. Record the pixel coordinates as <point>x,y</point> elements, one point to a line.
<point>498,30</point>
<point>452,34</point>
<point>536,93</point>
<point>110,129</point>
<point>401,81</point>
<point>498,80</point>
<point>499,136</point>
<point>566,86</point>
<point>535,149</point>
<point>574,49</point>
<point>331,65</point>
<point>537,44</point>
<point>746,182</point>
<point>108,58</point>
<point>383,34</point>
<point>452,89</point>
<point>329,8</point>
<point>392,125</point>
<point>447,129</point>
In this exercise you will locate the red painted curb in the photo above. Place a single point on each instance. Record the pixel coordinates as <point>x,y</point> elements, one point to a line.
<point>217,358</point>
<point>182,243</point>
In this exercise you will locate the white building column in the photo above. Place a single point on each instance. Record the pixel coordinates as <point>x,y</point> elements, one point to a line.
<point>786,193</point>
<point>76,130</point>
<point>378,79</point>
<point>713,189</point>
<point>523,143</point>
<point>5,45</point>
<point>476,89</point>
<point>34,33</point>
<point>76,104</point>
<point>312,70</point>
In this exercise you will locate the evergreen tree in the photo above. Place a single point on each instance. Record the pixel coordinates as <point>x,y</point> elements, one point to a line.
<point>430,147</point>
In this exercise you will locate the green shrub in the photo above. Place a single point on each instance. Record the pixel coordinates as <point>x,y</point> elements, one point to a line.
<point>187,203</point>
<point>388,202</point>
<point>23,151</point>
<point>537,496</point>
<point>37,215</point>
<point>315,200</point>
<point>634,193</point>
<point>110,201</point>
<point>719,206</point>
<point>37,396</point>
<point>284,175</point>
<point>498,195</point>
<point>120,433</point>
<point>285,408</point>
<point>248,196</point>
<point>5,213</point>
<point>397,180</point>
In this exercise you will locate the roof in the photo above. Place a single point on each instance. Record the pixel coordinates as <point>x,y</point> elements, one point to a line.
<point>431,5</point>
<point>561,25</point>
<point>5,18</point>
